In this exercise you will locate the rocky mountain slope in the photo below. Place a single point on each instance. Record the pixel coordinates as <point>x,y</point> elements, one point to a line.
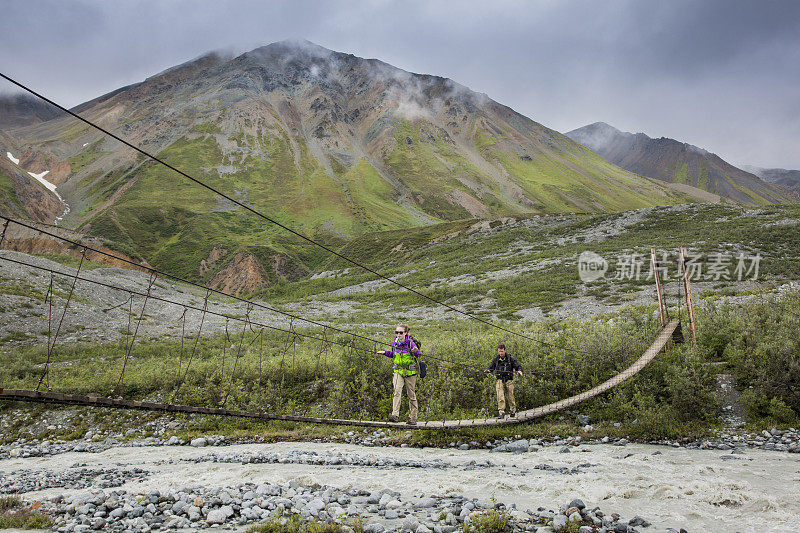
<point>329,143</point>
<point>676,162</point>
<point>787,180</point>
<point>22,195</point>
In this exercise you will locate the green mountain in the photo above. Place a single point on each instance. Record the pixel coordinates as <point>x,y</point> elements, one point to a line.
<point>676,162</point>
<point>333,145</point>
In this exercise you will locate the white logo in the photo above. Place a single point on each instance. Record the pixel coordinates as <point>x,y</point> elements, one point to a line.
<point>591,266</point>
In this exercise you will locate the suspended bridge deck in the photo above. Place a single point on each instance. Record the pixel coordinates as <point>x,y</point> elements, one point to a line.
<point>522,416</point>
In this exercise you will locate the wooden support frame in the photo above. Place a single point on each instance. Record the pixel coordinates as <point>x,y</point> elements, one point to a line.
<point>659,289</point>
<point>687,287</point>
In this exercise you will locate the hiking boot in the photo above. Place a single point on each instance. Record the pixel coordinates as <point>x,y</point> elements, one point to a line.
<point>512,414</point>
<point>412,422</point>
<point>393,418</point>
<point>501,414</point>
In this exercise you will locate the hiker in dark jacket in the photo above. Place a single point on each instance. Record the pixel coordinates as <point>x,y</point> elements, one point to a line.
<point>504,366</point>
<point>405,356</point>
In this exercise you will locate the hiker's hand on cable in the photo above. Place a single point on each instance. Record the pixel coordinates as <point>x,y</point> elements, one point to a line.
<point>380,352</point>
<point>519,372</point>
<point>487,371</point>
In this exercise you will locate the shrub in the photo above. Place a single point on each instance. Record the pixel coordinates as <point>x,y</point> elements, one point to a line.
<point>14,514</point>
<point>781,412</point>
<point>294,525</point>
<point>494,521</point>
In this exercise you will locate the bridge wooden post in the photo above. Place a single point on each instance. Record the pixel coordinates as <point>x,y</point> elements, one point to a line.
<point>659,290</point>
<point>687,287</point>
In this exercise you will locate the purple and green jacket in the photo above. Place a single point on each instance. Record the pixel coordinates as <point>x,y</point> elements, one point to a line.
<point>404,356</point>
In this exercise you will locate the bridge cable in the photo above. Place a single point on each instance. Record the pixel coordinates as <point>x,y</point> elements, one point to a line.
<point>51,346</point>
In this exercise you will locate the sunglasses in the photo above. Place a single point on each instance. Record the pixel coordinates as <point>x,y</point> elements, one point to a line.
<point>398,332</point>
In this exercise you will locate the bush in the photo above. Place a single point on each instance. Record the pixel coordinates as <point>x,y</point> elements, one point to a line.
<point>755,404</point>
<point>14,514</point>
<point>781,412</point>
<point>489,522</point>
<point>759,341</point>
<point>293,525</point>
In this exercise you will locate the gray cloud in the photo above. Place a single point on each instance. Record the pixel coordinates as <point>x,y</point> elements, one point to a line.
<point>720,74</point>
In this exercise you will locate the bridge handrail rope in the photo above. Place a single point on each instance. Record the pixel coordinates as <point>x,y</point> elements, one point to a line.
<point>267,218</point>
<point>121,381</point>
<point>194,348</point>
<point>51,346</point>
<point>49,301</point>
<point>238,354</point>
<point>183,337</point>
<point>153,297</point>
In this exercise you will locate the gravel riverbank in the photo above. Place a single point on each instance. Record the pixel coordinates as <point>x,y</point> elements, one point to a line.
<point>160,486</point>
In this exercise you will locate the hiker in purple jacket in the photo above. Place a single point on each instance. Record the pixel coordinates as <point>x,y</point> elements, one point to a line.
<point>405,355</point>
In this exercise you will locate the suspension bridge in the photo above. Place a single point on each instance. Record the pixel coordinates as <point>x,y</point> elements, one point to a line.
<point>136,301</point>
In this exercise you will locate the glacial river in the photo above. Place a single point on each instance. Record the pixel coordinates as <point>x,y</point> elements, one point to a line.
<point>700,490</point>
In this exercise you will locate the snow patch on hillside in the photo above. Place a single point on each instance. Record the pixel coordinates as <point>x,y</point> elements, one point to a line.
<point>40,178</point>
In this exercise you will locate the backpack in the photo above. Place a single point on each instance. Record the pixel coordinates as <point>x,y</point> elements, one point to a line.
<point>423,366</point>
<point>419,346</point>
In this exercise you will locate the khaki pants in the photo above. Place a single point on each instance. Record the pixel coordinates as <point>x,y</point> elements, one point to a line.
<point>505,391</point>
<point>410,383</point>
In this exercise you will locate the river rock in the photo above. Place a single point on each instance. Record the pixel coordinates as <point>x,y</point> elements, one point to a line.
<point>216,516</point>
<point>374,527</point>
<point>394,504</point>
<point>199,442</point>
<point>577,503</point>
<point>315,506</point>
<point>517,446</point>
<point>425,503</point>
<point>559,522</point>
<point>410,523</point>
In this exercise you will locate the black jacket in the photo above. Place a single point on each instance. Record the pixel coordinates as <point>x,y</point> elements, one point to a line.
<point>504,368</point>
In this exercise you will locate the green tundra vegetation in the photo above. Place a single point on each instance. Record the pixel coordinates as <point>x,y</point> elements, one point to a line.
<point>748,328</point>
<point>520,262</point>
<point>262,371</point>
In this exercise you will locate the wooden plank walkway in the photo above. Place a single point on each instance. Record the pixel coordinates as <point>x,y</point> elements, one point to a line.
<point>522,416</point>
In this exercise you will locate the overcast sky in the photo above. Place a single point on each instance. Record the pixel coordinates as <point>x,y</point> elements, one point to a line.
<point>723,74</point>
